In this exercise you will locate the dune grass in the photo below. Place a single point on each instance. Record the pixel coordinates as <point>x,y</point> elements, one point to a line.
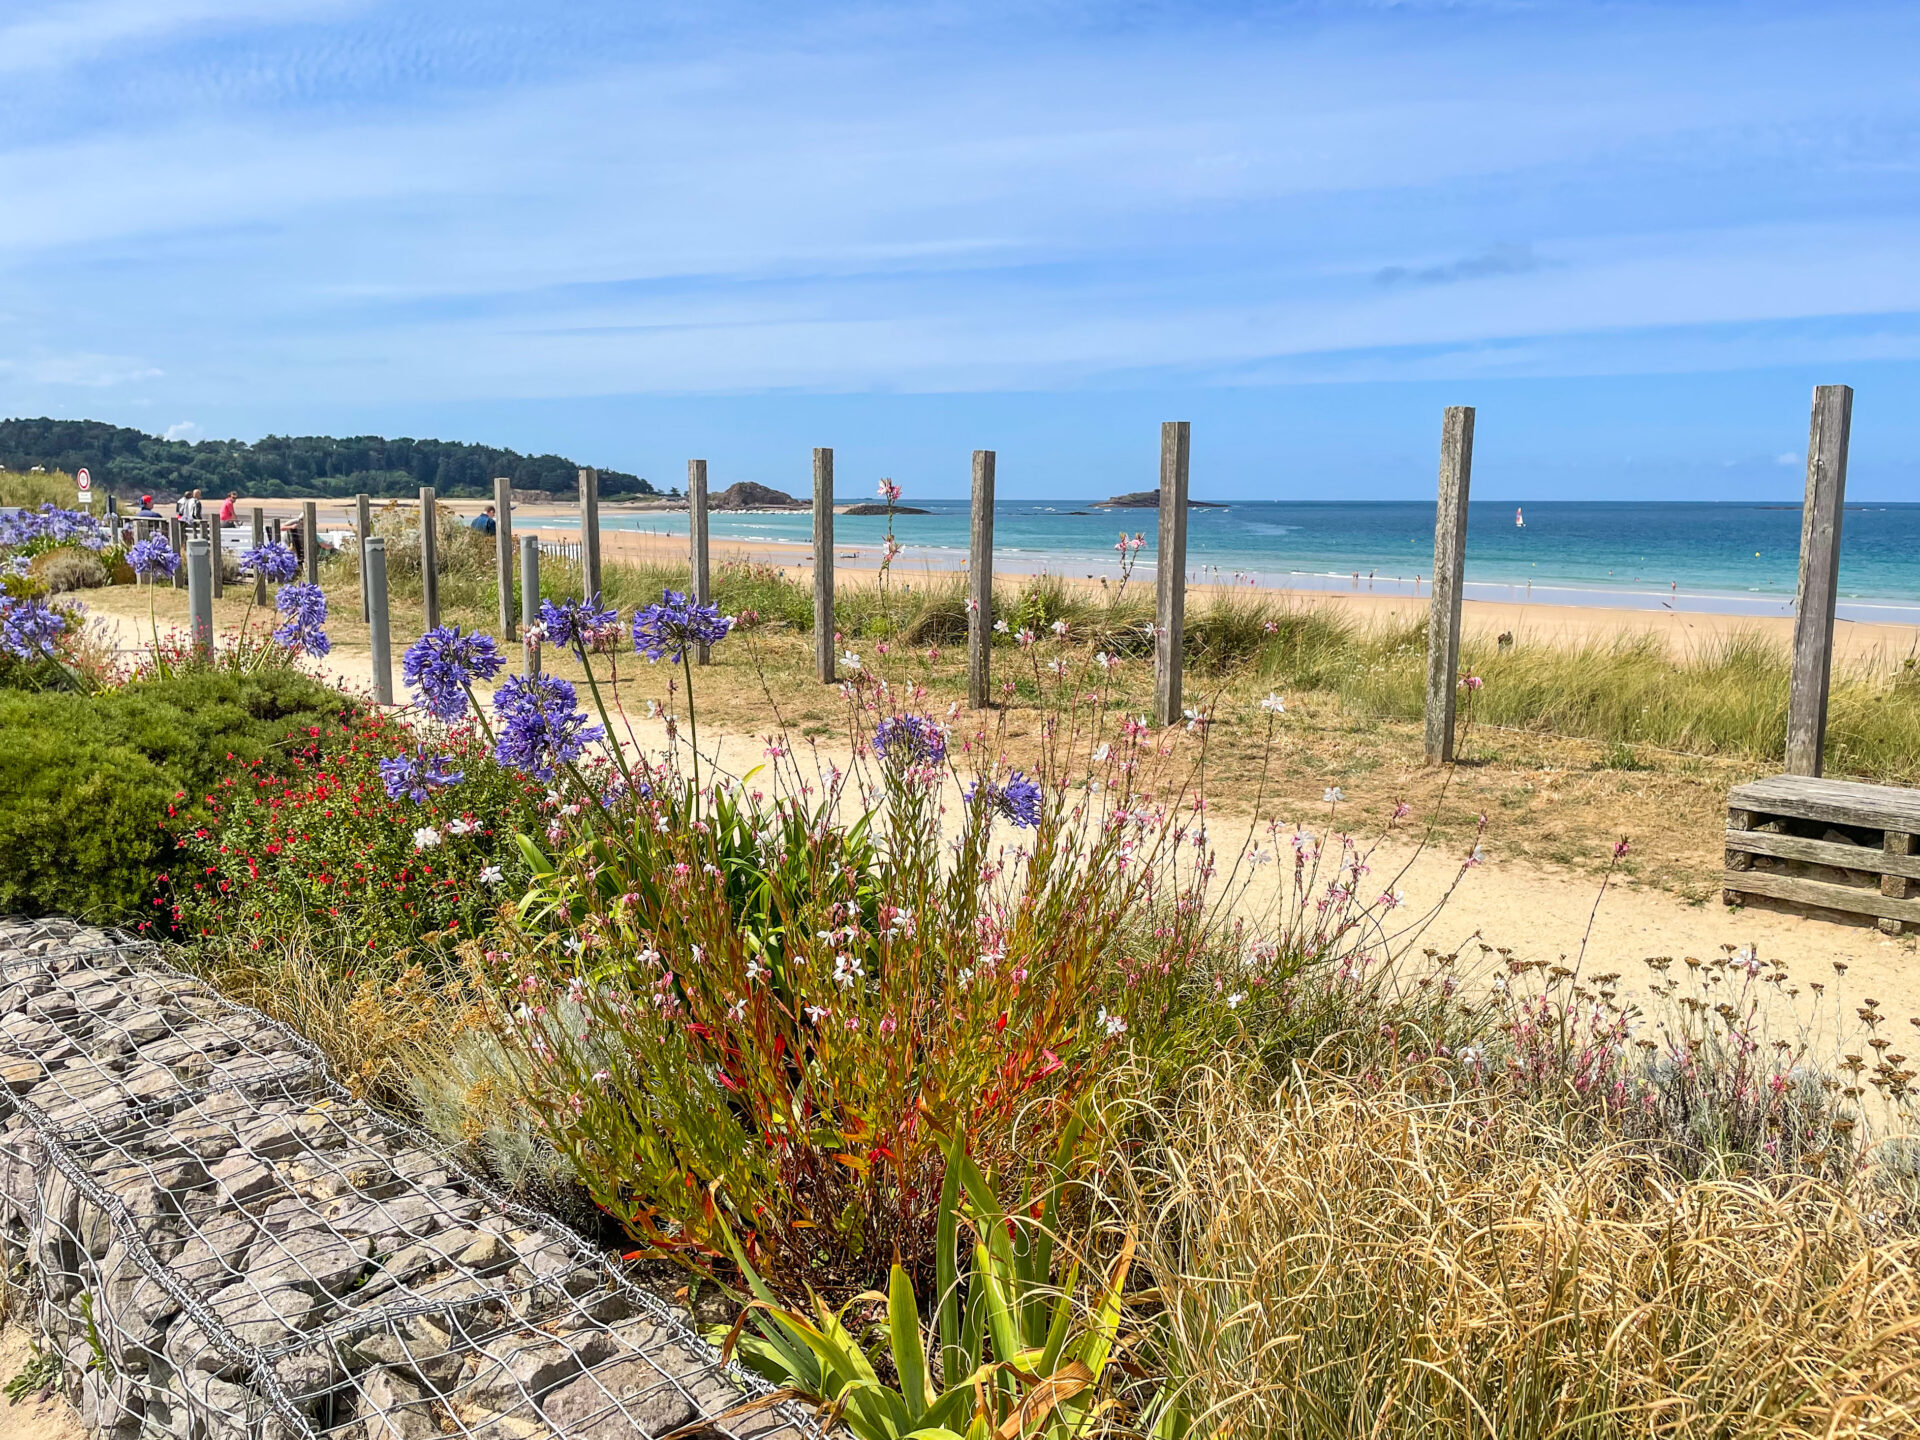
<point>19,487</point>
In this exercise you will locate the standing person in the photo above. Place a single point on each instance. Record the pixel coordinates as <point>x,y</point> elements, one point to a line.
<point>194,510</point>
<point>485,522</point>
<point>297,538</point>
<point>227,506</point>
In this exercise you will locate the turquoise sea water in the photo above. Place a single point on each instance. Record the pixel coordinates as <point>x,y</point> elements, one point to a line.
<point>1732,558</point>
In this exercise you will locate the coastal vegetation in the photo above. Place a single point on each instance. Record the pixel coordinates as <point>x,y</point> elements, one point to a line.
<point>1032,1073</point>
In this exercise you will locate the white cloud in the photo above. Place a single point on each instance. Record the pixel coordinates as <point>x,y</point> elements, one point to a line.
<point>183,430</point>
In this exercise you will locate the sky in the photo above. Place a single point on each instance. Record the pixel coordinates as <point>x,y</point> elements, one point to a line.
<point>1633,236</point>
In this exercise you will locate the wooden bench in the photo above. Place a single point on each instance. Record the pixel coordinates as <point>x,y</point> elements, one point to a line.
<point>1826,845</point>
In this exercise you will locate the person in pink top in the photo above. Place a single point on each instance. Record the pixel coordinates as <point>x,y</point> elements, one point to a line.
<point>226,507</point>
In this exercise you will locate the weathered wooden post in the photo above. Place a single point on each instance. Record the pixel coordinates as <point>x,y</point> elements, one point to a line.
<point>1449,570</point>
<point>362,528</point>
<point>503,550</point>
<point>259,539</point>
<point>177,542</point>
<point>530,601</point>
<point>430,556</point>
<point>217,534</point>
<point>379,620</point>
<point>200,597</point>
<point>589,533</point>
<point>697,542</point>
<point>310,540</point>
<point>1170,571</point>
<point>980,585</point>
<point>1819,577</point>
<point>823,657</point>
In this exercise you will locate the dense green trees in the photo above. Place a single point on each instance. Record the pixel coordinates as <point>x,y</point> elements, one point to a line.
<point>129,462</point>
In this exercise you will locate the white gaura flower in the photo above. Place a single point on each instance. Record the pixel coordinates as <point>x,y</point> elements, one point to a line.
<point>850,660</point>
<point>1333,796</point>
<point>425,838</point>
<point>461,827</point>
<point>1113,1024</point>
<point>490,875</point>
<point>1274,704</point>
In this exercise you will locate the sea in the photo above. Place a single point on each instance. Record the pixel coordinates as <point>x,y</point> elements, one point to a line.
<point>1729,558</point>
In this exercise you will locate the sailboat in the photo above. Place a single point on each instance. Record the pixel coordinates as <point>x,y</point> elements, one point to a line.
<point>1519,520</point>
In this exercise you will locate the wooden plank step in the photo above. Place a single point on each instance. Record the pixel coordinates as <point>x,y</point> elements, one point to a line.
<point>1818,892</point>
<point>1824,852</point>
<point>1837,802</point>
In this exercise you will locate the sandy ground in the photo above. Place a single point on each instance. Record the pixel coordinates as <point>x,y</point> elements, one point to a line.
<point>1539,912</point>
<point>31,1419</point>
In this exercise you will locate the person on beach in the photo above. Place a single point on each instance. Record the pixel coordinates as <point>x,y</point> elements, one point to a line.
<point>227,505</point>
<point>485,523</point>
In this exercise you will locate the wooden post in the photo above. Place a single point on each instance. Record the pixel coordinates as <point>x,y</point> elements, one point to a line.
<point>589,533</point>
<point>697,542</point>
<point>1895,887</point>
<point>530,600</point>
<point>380,620</point>
<point>503,550</point>
<point>362,528</point>
<point>1819,577</point>
<point>1170,571</point>
<point>823,654</point>
<point>259,539</point>
<point>980,585</point>
<point>200,597</point>
<point>177,542</point>
<point>1449,569</point>
<point>310,540</point>
<point>430,556</point>
<point>217,534</point>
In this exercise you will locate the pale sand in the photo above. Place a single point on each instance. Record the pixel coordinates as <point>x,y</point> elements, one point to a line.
<point>33,1418</point>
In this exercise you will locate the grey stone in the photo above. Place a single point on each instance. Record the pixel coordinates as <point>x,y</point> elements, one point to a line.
<point>613,1401</point>
<point>392,1407</point>
<point>429,1359</point>
<point>525,1369</point>
<point>240,1178</point>
<point>256,1316</point>
<point>314,1260</point>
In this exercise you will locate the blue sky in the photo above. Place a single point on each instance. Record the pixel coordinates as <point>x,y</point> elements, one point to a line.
<point>1634,236</point>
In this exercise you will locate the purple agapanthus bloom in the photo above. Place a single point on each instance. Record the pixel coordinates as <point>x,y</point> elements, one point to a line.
<point>305,607</point>
<point>54,526</point>
<point>418,776</point>
<point>275,560</point>
<point>573,622</point>
<point>909,740</point>
<point>443,662</point>
<point>541,725</point>
<point>153,557</point>
<point>1017,798</point>
<point>28,628</point>
<point>676,625</point>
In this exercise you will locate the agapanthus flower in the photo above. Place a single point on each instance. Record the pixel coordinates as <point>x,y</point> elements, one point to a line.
<point>305,607</point>
<point>1017,798</point>
<point>574,622</point>
<point>909,740</point>
<point>275,560</point>
<point>153,557</point>
<point>28,628</point>
<point>418,776</point>
<point>443,662</point>
<point>541,726</point>
<point>50,525</point>
<point>676,625</point>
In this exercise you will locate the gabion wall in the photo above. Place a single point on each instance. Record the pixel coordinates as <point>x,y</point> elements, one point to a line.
<point>222,1243</point>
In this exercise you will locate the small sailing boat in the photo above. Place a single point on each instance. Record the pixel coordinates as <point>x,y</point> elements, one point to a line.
<point>1519,519</point>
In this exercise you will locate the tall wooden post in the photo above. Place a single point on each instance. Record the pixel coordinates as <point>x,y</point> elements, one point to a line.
<point>1449,570</point>
<point>259,539</point>
<point>503,550</point>
<point>980,585</point>
<point>362,529</point>
<point>697,542</point>
<point>177,542</point>
<point>430,556</point>
<point>530,601</point>
<point>217,535</point>
<point>200,597</point>
<point>310,540</point>
<point>823,657</point>
<point>1170,571</point>
<point>380,620</point>
<point>1819,577</point>
<point>589,533</point>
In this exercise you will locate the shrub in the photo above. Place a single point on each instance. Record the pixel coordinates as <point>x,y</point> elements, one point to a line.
<point>312,841</point>
<point>70,569</point>
<point>88,782</point>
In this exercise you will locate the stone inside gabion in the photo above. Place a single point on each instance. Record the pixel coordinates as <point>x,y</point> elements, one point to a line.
<point>223,1243</point>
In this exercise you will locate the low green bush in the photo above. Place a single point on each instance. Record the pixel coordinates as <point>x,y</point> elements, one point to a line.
<point>88,783</point>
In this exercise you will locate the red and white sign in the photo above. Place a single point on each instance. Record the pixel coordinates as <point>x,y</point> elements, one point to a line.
<point>86,480</point>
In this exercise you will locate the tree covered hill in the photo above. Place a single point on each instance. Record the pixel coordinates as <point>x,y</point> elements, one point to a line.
<point>129,462</point>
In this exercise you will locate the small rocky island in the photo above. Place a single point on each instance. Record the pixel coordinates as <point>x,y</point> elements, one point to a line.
<point>875,507</point>
<point>751,495</point>
<point>1149,500</point>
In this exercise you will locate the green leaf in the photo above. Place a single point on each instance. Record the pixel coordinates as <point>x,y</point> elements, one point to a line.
<point>1062,1322</point>
<point>953,1361</point>
<point>1006,1340</point>
<point>536,859</point>
<point>909,1353</point>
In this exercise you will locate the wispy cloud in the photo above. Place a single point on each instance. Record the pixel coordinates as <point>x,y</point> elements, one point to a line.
<point>1500,260</point>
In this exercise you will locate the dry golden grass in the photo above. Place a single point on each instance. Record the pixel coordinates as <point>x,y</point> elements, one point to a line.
<point>1354,1259</point>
